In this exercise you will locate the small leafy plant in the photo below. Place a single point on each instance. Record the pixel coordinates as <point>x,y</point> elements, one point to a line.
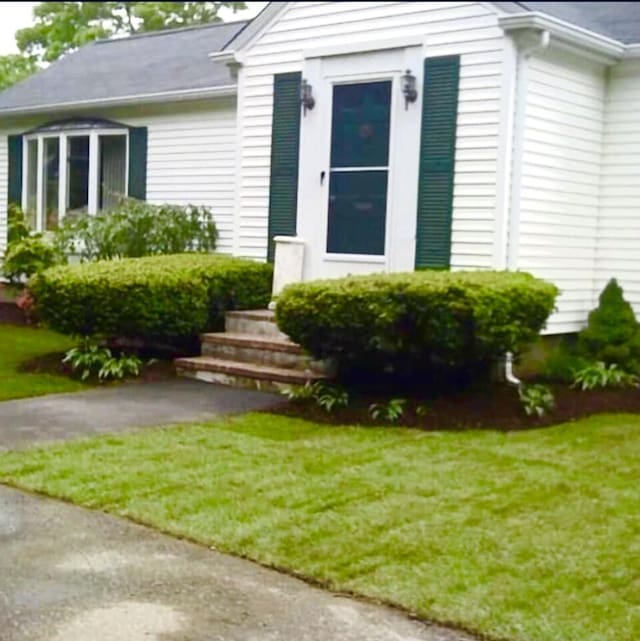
<point>298,392</point>
<point>391,411</point>
<point>88,358</point>
<point>601,375</point>
<point>536,399</point>
<point>117,367</point>
<point>328,397</point>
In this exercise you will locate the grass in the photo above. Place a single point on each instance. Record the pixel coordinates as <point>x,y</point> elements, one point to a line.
<point>20,344</point>
<point>524,536</point>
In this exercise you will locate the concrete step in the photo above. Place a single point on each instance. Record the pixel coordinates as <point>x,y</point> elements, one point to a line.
<point>253,348</point>
<point>242,374</point>
<point>258,322</point>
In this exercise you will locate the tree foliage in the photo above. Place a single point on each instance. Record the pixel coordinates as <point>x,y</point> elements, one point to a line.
<point>14,68</point>
<point>60,27</point>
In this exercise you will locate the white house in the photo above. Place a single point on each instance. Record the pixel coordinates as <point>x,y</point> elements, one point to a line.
<point>462,135</point>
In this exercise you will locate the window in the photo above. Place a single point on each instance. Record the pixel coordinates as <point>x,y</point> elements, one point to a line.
<point>73,168</point>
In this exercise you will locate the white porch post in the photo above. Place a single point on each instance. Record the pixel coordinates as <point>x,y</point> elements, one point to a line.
<point>288,263</point>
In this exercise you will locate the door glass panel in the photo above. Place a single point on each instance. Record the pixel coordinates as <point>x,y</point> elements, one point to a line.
<point>360,125</point>
<point>32,183</point>
<point>113,170</point>
<point>77,174</point>
<point>357,212</point>
<point>51,181</point>
<point>357,209</point>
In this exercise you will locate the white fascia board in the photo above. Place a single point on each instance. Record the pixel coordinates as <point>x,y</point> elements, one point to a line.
<point>632,52</point>
<point>137,99</point>
<point>564,32</point>
<point>257,26</point>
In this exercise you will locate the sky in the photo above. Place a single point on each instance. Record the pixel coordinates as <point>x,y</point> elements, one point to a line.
<point>16,15</point>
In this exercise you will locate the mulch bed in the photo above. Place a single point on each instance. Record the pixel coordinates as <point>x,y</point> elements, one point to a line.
<point>9,311</point>
<point>491,407</point>
<point>160,370</point>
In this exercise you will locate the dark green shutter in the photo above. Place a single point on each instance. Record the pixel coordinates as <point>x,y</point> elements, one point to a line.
<point>15,169</point>
<point>437,156</point>
<point>138,162</point>
<point>285,145</point>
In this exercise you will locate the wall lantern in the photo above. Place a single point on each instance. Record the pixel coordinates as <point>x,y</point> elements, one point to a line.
<point>409,88</point>
<point>306,96</point>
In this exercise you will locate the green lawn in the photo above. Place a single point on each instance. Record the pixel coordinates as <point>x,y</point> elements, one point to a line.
<point>20,344</point>
<point>524,536</point>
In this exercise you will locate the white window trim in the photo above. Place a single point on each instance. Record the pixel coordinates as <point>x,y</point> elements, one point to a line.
<point>94,155</point>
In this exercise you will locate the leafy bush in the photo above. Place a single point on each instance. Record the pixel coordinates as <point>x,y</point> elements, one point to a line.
<point>561,364</point>
<point>28,256</point>
<point>612,334</point>
<point>164,299</point>
<point>600,375</point>
<point>416,323</point>
<point>17,227</point>
<point>536,399</point>
<point>135,229</point>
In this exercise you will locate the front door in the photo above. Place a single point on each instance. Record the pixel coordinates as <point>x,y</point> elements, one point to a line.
<point>359,165</point>
<point>359,172</point>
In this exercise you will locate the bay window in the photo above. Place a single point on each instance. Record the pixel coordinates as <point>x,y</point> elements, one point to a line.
<point>73,168</point>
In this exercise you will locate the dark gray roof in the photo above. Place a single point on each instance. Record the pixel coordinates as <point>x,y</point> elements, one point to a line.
<point>156,62</point>
<point>617,20</point>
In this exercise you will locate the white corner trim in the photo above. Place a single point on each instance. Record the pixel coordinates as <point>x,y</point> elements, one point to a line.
<point>504,168</point>
<point>161,96</point>
<point>511,233</point>
<point>363,47</point>
<point>564,32</point>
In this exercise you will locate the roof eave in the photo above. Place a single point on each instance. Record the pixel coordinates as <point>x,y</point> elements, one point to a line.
<point>122,101</point>
<point>564,32</point>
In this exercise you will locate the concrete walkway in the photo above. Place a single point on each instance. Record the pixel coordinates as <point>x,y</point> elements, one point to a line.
<point>70,574</point>
<point>111,409</point>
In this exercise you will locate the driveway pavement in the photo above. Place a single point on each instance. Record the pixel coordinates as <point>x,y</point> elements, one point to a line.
<point>112,409</point>
<point>71,574</point>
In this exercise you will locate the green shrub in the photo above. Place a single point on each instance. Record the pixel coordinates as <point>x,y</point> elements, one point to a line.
<point>562,363</point>
<point>17,227</point>
<point>420,322</point>
<point>28,256</point>
<point>153,299</point>
<point>136,228</point>
<point>612,334</point>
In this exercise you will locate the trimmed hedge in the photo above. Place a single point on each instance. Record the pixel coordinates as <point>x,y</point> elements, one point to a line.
<point>154,299</point>
<point>427,322</point>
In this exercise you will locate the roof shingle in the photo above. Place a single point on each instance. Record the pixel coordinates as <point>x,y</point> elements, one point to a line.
<point>156,62</point>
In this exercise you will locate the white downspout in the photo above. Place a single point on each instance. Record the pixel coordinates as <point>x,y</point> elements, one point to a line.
<point>527,43</point>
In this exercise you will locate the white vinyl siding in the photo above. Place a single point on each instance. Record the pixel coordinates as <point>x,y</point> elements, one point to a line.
<point>190,157</point>
<point>468,29</point>
<point>618,253</point>
<point>559,195</point>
